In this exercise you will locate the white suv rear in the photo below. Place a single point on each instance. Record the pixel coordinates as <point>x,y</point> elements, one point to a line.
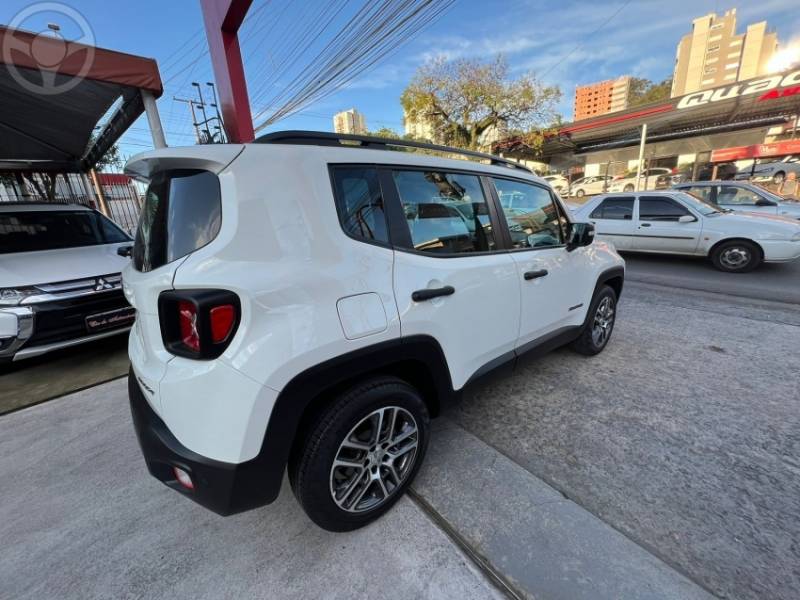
<point>313,299</point>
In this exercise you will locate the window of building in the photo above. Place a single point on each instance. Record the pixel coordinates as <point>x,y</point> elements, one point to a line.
<point>618,209</point>
<point>709,70</point>
<point>446,213</point>
<point>734,65</point>
<point>713,48</point>
<point>659,208</point>
<point>359,203</point>
<point>533,218</point>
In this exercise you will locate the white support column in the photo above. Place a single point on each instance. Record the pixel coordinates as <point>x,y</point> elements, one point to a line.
<point>153,120</point>
<point>642,143</point>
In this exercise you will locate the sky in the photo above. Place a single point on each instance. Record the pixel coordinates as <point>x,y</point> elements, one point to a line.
<point>563,42</point>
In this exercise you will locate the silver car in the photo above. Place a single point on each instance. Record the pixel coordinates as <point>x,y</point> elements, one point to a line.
<point>775,171</point>
<point>742,196</point>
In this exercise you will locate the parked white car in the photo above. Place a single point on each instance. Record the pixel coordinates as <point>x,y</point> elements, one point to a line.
<point>675,222</point>
<point>648,180</point>
<point>771,170</point>
<point>558,182</point>
<point>59,278</point>
<point>314,303</point>
<point>589,186</point>
<point>742,196</point>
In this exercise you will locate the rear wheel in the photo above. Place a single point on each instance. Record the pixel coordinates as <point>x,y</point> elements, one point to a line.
<point>736,256</point>
<point>628,188</point>
<point>599,324</point>
<point>361,455</point>
<point>580,193</point>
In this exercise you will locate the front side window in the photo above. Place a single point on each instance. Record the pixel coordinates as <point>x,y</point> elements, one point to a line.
<point>360,203</point>
<point>533,219</point>
<point>728,194</point>
<point>446,213</point>
<point>182,212</point>
<point>658,208</point>
<point>32,231</point>
<point>699,191</point>
<point>619,209</point>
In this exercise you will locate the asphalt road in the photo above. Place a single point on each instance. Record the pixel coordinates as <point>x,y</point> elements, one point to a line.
<point>771,281</point>
<point>684,434</point>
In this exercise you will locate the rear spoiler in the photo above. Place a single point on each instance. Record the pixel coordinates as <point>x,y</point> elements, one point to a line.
<point>211,157</point>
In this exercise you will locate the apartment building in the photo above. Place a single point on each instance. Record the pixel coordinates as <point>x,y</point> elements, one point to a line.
<point>602,97</point>
<point>713,54</point>
<point>350,121</point>
<point>419,129</point>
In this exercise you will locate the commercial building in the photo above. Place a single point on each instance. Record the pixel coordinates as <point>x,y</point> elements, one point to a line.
<point>735,123</point>
<point>713,54</point>
<point>601,98</point>
<point>419,129</point>
<point>350,121</point>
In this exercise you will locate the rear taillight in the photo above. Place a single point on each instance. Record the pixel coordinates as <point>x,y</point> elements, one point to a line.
<point>187,320</point>
<point>198,323</point>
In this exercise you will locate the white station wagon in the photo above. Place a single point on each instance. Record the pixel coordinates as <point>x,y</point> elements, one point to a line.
<point>675,222</point>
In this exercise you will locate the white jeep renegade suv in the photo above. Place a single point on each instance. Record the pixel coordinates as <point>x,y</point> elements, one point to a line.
<point>312,299</point>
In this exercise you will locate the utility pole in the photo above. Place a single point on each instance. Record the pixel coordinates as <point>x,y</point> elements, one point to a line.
<point>221,125</point>
<point>202,106</point>
<point>191,104</point>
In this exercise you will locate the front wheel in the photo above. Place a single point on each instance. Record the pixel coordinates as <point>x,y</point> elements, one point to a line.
<point>599,324</point>
<point>737,256</point>
<point>580,193</point>
<point>361,455</point>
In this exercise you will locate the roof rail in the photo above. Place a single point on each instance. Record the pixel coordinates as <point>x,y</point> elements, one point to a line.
<point>325,138</point>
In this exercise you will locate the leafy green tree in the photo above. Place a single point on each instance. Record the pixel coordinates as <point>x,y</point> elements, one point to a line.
<point>644,91</point>
<point>386,132</point>
<point>464,99</point>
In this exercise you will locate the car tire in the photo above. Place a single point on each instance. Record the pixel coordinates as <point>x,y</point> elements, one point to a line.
<point>736,256</point>
<point>372,471</point>
<point>628,188</point>
<point>599,324</point>
<point>778,177</point>
<point>580,194</point>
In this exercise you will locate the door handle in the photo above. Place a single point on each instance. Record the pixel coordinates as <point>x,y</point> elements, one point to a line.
<point>428,293</point>
<point>534,274</point>
<point>644,224</point>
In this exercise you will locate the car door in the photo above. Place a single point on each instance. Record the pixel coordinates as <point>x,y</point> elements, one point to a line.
<point>659,228</point>
<point>740,198</point>
<point>452,278</point>
<point>552,282</point>
<point>613,220</point>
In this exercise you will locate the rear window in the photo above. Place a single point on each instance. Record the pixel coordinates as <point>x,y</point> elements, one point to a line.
<point>33,231</point>
<point>182,212</point>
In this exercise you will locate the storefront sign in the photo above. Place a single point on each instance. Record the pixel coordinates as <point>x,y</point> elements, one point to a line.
<point>769,88</point>
<point>756,151</point>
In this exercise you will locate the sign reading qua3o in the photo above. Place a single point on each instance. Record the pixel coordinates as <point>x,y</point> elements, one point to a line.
<point>769,88</point>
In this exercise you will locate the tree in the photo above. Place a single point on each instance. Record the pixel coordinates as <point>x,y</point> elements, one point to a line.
<point>464,100</point>
<point>644,91</point>
<point>386,132</point>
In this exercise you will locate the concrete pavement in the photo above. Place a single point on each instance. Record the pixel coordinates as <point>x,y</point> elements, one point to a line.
<point>81,518</point>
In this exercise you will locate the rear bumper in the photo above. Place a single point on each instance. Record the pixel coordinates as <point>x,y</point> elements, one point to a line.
<point>224,488</point>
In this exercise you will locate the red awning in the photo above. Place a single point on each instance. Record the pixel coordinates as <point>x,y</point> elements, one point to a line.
<point>756,151</point>
<point>54,92</point>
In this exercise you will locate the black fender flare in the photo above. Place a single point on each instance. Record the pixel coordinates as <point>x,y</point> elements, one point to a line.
<point>312,388</point>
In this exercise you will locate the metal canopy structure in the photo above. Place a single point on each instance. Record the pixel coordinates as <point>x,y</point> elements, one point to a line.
<point>53,93</point>
<point>760,102</point>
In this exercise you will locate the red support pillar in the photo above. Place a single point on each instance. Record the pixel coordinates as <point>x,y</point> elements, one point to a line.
<point>223,18</point>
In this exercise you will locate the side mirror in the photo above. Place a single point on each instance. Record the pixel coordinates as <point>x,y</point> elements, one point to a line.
<point>579,234</point>
<point>686,219</point>
<point>764,202</point>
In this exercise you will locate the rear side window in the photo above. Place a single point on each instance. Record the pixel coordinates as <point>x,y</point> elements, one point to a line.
<point>699,191</point>
<point>658,208</point>
<point>31,231</point>
<point>182,212</point>
<point>620,209</point>
<point>446,213</point>
<point>359,203</point>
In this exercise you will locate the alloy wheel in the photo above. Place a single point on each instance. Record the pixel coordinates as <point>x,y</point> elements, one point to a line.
<point>603,322</point>
<point>374,459</point>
